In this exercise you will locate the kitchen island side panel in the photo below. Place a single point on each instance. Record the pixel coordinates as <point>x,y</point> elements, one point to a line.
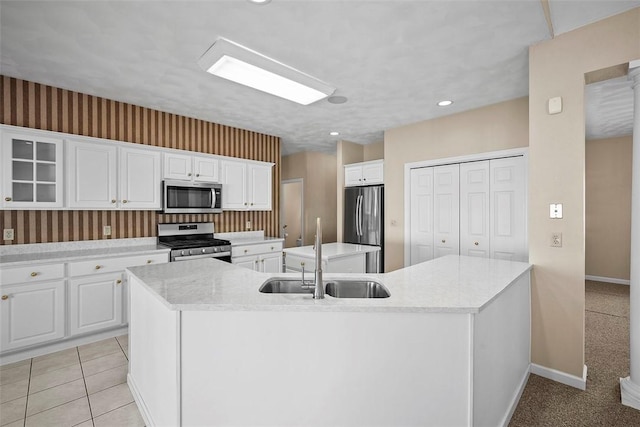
<point>154,357</point>
<point>319,368</point>
<point>501,354</point>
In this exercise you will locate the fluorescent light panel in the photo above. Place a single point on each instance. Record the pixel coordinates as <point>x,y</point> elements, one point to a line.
<point>241,65</point>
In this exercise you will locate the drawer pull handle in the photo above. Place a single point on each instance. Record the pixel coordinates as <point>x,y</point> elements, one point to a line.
<point>119,281</point>
<point>443,241</point>
<point>98,267</point>
<point>476,243</point>
<point>246,250</point>
<point>7,199</point>
<point>149,261</point>
<point>271,247</point>
<point>34,274</point>
<point>5,297</point>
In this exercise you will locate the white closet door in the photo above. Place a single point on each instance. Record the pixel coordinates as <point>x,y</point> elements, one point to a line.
<point>508,209</point>
<point>421,215</point>
<point>446,189</point>
<point>474,209</point>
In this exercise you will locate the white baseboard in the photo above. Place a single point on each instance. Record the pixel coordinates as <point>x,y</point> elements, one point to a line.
<point>561,377</point>
<point>515,400</point>
<point>144,411</point>
<point>608,280</point>
<point>630,393</point>
<point>39,350</point>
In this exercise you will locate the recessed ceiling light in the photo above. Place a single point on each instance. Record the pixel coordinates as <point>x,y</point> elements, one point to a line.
<point>260,1</point>
<point>239,64</point>
<point>334,133</point>
<point>444,103</point>
<point>337,99</point>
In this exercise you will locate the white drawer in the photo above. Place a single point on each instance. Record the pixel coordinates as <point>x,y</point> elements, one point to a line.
<point>115,264</point>
<point>296,263</point>
<point>262,248</point>
<point>32,273</point>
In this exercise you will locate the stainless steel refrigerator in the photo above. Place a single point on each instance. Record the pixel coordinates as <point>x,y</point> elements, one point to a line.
<point>364,222</point>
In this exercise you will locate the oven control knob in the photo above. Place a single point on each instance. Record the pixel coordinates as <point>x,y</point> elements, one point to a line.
<point>215,249</point>
<point>204,250</point>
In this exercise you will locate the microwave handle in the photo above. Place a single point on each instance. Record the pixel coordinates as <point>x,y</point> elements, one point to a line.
<point>213,198</point>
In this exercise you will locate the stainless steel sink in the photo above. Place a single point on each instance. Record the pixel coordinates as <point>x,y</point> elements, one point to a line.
<point>356,289</point>
<point>285,286</point>
<point>342,288</point>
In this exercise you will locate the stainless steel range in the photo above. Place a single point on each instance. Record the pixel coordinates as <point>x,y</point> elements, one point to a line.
<point>193,241</point>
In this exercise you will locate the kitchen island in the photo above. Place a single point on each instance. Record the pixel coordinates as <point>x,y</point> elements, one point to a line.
<point>450,346</point>
<point>336,258</point>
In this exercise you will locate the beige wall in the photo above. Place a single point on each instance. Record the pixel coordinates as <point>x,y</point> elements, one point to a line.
<point>373,151</point>
<point>318,170</point>
<point>557,175</point>
<point>346,153</point>
<point>608,207</point>
<point>496,127</point>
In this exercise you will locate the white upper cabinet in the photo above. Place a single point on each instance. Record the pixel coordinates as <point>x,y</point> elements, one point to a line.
<point>110,176</point>
<point>247,185</point>
<point>140,183</point>
<point>191,168</point>
<point>91,175</point>
<point>32,170</point>
<point>366,173</point>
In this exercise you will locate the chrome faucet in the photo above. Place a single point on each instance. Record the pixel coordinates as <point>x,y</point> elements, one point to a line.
<point>318,292</point>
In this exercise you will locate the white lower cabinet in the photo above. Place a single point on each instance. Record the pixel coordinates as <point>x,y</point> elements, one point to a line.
<point>95,303</point>
<point>263,257</point>
<point>31,314</point>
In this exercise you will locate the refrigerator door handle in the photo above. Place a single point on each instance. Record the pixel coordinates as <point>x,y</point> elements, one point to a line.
<point>359,218</point>
<point>357,215</point>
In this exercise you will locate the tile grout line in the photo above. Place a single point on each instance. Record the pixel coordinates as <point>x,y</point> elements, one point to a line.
<point>85,387</point>
<point>26,403</point>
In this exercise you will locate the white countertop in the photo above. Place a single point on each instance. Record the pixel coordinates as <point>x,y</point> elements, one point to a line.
<point>331,250</point>
<point>68,251</point>
<point>453,283</point>
<point>247,238</point>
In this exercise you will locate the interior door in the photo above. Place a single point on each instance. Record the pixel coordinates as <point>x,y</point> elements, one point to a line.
<point>446,190</point>
<point>508,209</point>
<point>421,215</point>
<point>474,209</point>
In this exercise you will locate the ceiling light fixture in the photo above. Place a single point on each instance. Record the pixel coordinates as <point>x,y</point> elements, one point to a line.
<point>239,64</point>
<point>260,1</point>
<point>334,133</point>
<point>444,103</point>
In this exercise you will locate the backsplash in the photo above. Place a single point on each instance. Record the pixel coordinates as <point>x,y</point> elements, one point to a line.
<point>38,106</point>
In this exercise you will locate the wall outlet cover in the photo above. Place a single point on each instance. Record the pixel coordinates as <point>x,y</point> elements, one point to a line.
<point>248,226</point>
<point>8,234</point>
<point>556,240</point>
<point>106,230</point>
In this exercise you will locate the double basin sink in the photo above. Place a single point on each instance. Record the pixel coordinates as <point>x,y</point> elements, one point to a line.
<point>341,288</point>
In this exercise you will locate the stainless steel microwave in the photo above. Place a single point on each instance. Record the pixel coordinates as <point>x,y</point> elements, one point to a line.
<point>191,197</point>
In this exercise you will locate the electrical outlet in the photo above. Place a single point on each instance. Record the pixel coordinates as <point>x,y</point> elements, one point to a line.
<point>556,240</point>
<point>8,234</point>
<point>106,230</point>
<point>248,227</point>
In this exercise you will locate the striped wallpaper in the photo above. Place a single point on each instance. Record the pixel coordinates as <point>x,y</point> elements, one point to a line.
<point>38,106</point>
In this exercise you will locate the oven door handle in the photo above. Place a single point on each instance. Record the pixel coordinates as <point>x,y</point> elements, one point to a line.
<point>216,255</point>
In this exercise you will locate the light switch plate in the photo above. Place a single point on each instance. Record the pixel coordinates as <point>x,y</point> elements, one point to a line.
<point>556,240</point>
<point>106,230</point>
<point>555,105</point>
<point>8,234</point>
<point>555,211</point>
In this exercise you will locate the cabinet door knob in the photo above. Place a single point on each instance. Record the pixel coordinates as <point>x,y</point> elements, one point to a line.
<point>5,297</point>
<point>302,264</point>
<point>262,261</point>
<point>119,281</point>
<point>98,267</point>
<point>271,247</point>
<point>475,243</point>
<point>197,174</point>
<point>34,274</point>
<point>251,203</point>
<point>124,201</point>
<point>113,200</point>
<point>443,241</point>
<point>245,203</point>
<point>189,174</point>
<point>7,199</point>
<point>246,250</point>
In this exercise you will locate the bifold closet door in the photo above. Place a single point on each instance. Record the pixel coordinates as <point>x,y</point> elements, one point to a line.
<point>474,209</point>
<point>446,212</point>
<point>508,203</point>
<point>421,215</point>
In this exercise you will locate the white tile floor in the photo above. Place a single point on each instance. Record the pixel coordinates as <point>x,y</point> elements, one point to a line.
<point>81,386</point>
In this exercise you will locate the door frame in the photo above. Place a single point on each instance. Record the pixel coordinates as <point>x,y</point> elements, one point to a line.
<point>514,152</point>
<point>291,181</point>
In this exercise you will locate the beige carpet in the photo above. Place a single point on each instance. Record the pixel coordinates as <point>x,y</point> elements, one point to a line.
<point>548,403</point>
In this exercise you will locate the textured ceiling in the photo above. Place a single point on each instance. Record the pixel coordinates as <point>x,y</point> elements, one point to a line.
<point>393,60</point>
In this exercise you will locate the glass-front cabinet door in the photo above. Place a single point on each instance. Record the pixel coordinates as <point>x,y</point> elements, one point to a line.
<point>31,171</point>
